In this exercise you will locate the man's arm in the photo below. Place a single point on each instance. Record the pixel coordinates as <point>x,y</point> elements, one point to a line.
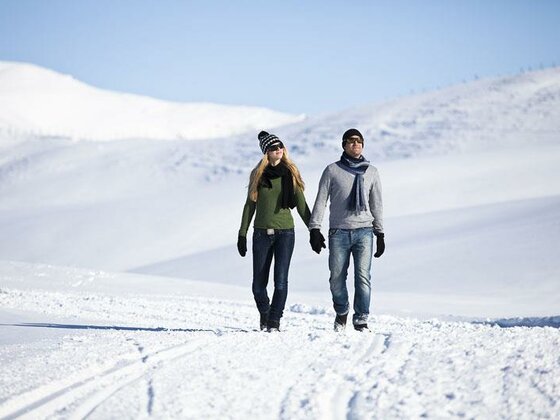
<point>320,201</point>
<point>376,203</point>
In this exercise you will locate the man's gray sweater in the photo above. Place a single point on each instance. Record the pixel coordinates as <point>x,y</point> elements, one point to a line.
<point>336,184</point>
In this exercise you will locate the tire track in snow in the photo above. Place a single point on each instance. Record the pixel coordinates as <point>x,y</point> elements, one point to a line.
<point>325,389</point>
<point>151,363</point>
<point>370,378</point>
<point>92,390</point>
<point>344,395</point>
<point>150,386</point>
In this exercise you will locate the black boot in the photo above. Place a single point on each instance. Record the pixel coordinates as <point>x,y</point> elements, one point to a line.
<point>340,322</point>
<point>361,327</point>
<point>273,325</point>
<point>263,320</point>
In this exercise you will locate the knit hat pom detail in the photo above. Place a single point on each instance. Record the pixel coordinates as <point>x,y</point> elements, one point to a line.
<point>262,134</point>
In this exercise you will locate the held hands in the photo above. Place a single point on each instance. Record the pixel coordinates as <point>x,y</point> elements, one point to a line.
<point>242,245</point>
<point>380,245</point>
<point>317,240</point>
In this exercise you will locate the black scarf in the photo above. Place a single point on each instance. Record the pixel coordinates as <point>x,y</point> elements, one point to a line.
<point>272,172</point>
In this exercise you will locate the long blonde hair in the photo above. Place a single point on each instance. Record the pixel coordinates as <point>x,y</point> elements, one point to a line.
<point>256,174</point>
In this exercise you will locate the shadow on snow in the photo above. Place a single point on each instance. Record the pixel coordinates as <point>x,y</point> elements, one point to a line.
<point>109,327</point>
<point>549,321</point>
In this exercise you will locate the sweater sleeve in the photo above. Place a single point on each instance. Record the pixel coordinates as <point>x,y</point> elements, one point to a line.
<point>248,212</point>
<point>320,201</point>
<point>376,204</point>
<point>302,207</point>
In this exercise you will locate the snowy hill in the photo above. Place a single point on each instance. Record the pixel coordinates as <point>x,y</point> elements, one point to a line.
<point>491,114</point>
<point>476,116</point>
<point>128,280</point>
<point>470,199</point>
<point>38,102</point>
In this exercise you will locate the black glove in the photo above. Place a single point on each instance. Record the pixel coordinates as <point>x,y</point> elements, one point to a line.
<point>380,245</point>
<point>242,245</point>
<point>317,240</point>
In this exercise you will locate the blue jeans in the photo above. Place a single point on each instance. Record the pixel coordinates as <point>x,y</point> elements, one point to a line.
<point>359,244</point>
<point>279,245</point>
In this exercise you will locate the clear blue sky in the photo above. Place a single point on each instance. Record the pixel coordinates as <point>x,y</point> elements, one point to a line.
<point>293,56</point>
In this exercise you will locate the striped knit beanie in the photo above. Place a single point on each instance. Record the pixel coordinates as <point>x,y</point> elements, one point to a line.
<point>267,140</point>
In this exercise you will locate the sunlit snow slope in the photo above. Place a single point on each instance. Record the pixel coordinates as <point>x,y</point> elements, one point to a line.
<point>122,294</point>
<point>43,103</point>
<point>471,189</point>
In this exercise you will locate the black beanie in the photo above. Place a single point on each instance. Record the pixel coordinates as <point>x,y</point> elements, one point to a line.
<point>351,133</point>
<point>267,140</point>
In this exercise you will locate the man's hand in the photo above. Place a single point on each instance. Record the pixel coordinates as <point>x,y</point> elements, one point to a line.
<point>242,245</point>
<point>317,240</point>
<point>380,245</point>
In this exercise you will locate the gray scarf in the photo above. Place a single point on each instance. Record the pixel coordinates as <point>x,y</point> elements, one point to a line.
<point>358,168</point>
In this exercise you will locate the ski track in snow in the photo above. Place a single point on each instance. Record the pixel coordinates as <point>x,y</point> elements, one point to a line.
<point>85,395</point>
<point>190,357</point>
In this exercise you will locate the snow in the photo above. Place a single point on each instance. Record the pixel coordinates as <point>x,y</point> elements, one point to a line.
<point>121,345</point>
<point>38,101</point>
<point>122,293</point>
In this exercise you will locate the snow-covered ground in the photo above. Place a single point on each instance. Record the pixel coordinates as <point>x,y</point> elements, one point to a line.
<point>122,293</point>
<point>85,343</point>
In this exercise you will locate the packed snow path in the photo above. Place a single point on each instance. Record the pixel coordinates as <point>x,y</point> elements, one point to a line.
<point>176,356</point>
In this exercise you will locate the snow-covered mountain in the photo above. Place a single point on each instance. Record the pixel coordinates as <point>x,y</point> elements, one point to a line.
<point>35,101</point>
<point>119,275</point>
<point>478,115</point>
<point>499,113</point>
<point>466,171</point>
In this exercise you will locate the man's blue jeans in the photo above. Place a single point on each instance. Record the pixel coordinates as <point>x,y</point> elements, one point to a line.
<point>279,245</point>
<point>359,244</point>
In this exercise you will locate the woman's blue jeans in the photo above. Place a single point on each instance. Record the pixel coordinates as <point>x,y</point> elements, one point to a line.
<point>359,244</point>
<point>279,245</point>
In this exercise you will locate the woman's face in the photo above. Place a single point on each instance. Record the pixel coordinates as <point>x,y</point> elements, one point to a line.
<point>275,154</point>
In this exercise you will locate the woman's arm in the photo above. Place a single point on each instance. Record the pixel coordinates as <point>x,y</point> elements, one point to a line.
<point>248,212</point>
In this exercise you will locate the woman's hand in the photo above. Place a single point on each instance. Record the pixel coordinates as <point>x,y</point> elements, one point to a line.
<point>242,245</point>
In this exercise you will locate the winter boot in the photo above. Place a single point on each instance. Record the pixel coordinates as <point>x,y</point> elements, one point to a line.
<point>340,322</point>
<point>273,325</point>
<point>263,320</point>
<point>361,327</point>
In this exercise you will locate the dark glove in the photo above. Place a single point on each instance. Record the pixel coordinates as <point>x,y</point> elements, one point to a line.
<point>317,240</point>
<point>242,245</point>
<point>380,245</point>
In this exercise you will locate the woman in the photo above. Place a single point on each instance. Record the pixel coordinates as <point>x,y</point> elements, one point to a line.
<point>275,187</point>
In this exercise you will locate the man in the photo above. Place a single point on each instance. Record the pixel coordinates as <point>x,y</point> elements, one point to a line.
<point>356,215</point>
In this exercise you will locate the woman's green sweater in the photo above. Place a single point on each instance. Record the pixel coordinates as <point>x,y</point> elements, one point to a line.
<point>269,213</point>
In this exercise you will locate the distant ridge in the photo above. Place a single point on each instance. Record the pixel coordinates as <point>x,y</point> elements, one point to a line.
<point>495,112</point>
<point>524,109</point>
<point>38,102</point>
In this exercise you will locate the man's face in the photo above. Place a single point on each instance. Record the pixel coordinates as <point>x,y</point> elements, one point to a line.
<point>354,146</point>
